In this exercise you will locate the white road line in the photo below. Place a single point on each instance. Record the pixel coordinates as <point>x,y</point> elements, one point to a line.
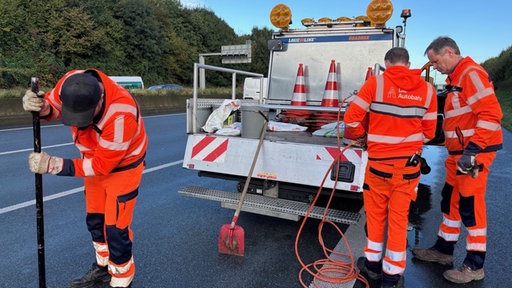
<point>73,191</point>
<point>32,149</point>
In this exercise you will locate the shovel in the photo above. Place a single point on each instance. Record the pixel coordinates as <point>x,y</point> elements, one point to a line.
<point>231,236</point>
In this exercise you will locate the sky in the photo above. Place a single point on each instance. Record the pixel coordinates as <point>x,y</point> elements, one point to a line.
<point>482,29</point>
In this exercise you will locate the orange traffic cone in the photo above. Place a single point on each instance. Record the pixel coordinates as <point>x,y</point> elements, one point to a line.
<point>299,99</point>
<point>299,91</point>
<point>331,98</point>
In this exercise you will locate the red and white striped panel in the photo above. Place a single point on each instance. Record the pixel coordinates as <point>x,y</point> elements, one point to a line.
<point>330,153</point>
<point>210,149</point>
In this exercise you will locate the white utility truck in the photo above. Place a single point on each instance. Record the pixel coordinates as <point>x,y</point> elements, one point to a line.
<point>291,166</point>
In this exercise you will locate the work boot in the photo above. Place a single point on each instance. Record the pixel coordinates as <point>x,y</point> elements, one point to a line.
<point>361,265</point>
<point>464,274</point>
<point>96,276</point>
<point>432,255</point>
<point>400,284</point>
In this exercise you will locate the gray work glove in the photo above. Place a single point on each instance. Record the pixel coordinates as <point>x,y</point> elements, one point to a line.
<point>467,163</point>
<point>35,103</point>
<point>42,163</point>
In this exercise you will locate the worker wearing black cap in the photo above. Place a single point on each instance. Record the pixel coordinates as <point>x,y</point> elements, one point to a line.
<point>108,130</point>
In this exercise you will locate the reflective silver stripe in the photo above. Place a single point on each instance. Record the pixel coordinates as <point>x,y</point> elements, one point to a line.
<point>87,167</point>
<point>452,135</point>
<point>477,232</point>
<point>482,91</point>
<point>391,269</point>
<point>429,95</point>
<point>115,271</point>
<point>137,151</point>
<point>100,247</point>
<point>481,94</point>
<point>457,112</point>
<point>116,108</point>
<point>361,103</point>
<point>397,110</point>
<point>396,255</point>
<point>488,125</point>
<point>373,256</point>
<point>476,247</point>
<point>380,88</point>
<point>119,129</point>
<point>451,223</point>
<point>395,140</point>
<point>376,246</point>
<point>448,236</point>
<point>430,116</point>
<point>121,269</point>
<point>82,148</point>
<point>114,145</point>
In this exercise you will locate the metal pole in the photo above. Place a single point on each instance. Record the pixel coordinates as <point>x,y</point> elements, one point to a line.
<point>36,125</point>
<point>202,81</point>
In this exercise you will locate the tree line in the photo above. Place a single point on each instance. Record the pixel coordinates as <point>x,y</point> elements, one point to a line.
<point>156,39</point>
<point>500,69</point>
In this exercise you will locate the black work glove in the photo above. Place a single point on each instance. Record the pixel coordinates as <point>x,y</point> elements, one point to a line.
<point>424,168</point>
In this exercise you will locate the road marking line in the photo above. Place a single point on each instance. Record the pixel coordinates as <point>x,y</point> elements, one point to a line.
<point>75,190</point>
<point>32,149</point>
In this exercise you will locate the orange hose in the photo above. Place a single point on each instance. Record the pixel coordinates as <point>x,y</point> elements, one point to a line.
<point>329,269</point>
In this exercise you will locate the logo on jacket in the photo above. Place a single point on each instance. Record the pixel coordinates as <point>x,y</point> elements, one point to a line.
<point>404,94</point>
<point>392,93</point>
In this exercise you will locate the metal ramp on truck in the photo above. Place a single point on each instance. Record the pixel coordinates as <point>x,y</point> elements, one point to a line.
<point>275,207</point>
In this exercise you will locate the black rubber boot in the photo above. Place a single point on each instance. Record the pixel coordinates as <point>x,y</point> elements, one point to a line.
<point>96,277</point>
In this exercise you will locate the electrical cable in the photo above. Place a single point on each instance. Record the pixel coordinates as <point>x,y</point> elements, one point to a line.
<point>329,269</point>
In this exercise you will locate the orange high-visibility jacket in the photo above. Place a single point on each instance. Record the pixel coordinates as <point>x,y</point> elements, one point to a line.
<point>402,110</point>
<point>117,138</point>
<point>472,111</point>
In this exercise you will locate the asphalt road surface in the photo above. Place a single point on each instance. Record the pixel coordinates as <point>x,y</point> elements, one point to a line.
<point>175,241</point>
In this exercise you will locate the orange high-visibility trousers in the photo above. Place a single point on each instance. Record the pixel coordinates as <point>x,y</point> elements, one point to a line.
<point>463,202</point>
<point>389,190</point>
<point>110,201</point>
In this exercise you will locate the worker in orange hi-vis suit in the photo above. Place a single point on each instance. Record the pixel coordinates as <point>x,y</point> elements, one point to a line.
<point>108,129</point>
<point>402,110</point>
<point>472,129</point>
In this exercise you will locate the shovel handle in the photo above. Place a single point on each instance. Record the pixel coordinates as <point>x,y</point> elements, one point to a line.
<point>249,176</point>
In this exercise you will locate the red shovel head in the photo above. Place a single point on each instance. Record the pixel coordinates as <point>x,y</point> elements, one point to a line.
<point>231,241</point>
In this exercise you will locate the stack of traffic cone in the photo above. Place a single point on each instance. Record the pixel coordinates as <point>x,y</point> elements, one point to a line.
<point>299,99</point>
<point>330,99</point>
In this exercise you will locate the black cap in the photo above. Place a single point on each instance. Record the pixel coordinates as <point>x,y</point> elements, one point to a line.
<point>80,94</point>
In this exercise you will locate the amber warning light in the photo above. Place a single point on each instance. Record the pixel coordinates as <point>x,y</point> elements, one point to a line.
<point>406,13</point>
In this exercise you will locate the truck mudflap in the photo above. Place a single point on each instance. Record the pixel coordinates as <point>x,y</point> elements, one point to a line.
<point>275,207</point>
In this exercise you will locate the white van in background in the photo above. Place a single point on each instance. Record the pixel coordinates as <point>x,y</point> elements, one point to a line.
<point>129,82</point>
<point>252,88</point>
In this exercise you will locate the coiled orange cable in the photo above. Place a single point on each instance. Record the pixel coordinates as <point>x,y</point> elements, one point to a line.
<point>337,267</point>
